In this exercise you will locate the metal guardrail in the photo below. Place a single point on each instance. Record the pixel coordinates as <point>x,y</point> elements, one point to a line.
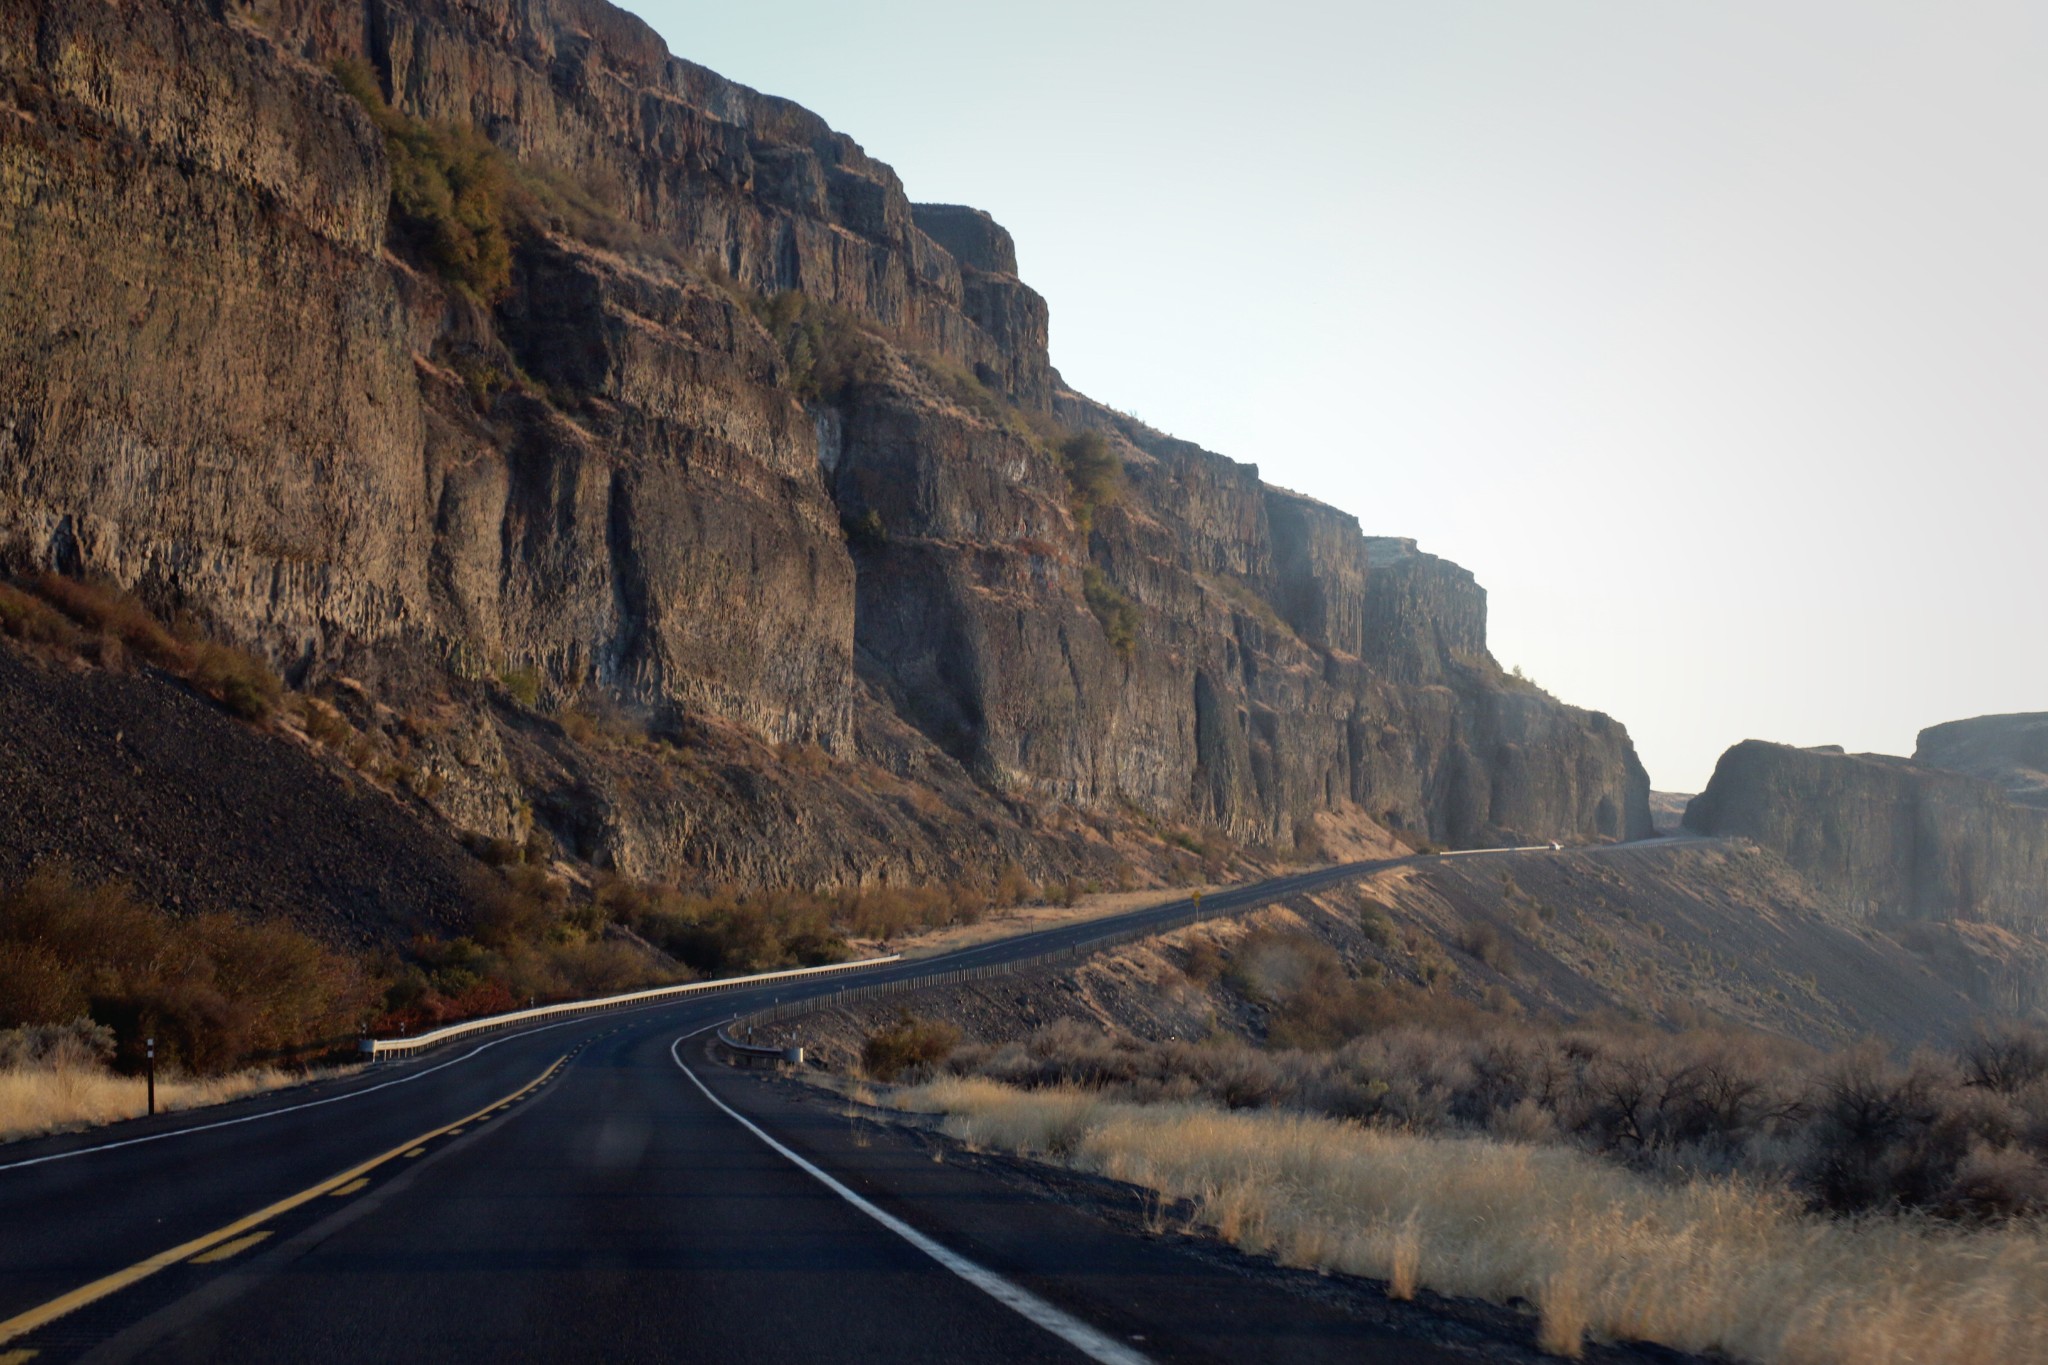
<point>746,1054</point>
<point>382,1049</point>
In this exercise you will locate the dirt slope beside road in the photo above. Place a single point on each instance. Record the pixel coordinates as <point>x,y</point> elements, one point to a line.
<point>133,776</point>
<point>1678,933</point>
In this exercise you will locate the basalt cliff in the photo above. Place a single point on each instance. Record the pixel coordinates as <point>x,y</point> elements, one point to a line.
<point>2011,751</point>
<point>485,365</point>
<point>1897,840</point>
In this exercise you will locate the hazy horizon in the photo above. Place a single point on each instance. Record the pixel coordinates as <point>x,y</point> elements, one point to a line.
<point>1707,338</point>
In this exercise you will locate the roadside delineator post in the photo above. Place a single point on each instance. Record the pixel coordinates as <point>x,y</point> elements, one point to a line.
<point>150,1045</point>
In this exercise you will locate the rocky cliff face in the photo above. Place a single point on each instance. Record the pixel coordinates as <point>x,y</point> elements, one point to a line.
<point>2011,751</point>
<point>1892,838</point>
<point>227,382</point>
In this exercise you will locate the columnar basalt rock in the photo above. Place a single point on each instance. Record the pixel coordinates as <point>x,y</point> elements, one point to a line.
<point>226,383</point>
<point>2009,750</point>
<point>1891,838</point>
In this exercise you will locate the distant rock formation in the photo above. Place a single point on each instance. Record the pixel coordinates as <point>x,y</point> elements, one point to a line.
<point>2009,750</point>
<point>1667,810</point>
<point>1893,838</point>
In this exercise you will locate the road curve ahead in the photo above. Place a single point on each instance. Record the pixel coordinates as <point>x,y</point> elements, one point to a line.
<point>595,1189</point>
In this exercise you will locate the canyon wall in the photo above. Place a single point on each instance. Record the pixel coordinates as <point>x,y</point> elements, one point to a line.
<point>1894,839</point>
<point>228,383</point>
<point>2011,751</point>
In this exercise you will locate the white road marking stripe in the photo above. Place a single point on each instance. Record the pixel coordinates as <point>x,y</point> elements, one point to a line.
<point>268,1113</point>
<point>331,1099</point>
<point>1094,1344</point>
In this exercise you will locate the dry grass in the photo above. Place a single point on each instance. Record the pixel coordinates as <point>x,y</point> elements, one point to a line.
<point>61,1099</point>
<point>1707,1264</point>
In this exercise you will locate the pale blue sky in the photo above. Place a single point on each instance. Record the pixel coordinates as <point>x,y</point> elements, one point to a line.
<point>1713,337</point>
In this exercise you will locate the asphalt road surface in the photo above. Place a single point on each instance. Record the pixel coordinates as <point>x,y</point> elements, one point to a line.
<point>599,1190</point>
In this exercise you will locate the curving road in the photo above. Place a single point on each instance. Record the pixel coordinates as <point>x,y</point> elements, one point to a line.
<point>594,1190</point>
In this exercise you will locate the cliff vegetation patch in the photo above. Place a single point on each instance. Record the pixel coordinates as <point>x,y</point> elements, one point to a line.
<point>1117,613</point>
<point>1095,475</point>
<point>459,203</point>
<point>103,624</point>
<point>449,188</point>
<point>826,348</point>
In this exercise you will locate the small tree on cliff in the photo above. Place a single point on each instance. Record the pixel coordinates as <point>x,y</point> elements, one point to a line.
<point>449,188</point>
<point>1095,476</point>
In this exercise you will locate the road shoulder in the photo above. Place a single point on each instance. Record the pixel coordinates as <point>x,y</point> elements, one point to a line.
<point>1111,1254</point>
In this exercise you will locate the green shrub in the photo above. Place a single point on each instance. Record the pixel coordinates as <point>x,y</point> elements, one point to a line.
<point>243,683</point>
<point>865,532</point>
<point>522,685</point>
<point>1095,475</point>
<point>1375,924</point>
<point>449,188</point>
<point>909,1044</point>
<point>964,389</point>
<point>323,724</point>
<point>827,350</point>
<point>1485,943</point>
<point>1117,613</point>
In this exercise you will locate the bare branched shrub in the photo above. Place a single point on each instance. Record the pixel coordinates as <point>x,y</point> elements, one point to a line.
<point>1485,943</point>
<point>76,1043</point>
<point>2005,1056</point>
<point>909,1045</point>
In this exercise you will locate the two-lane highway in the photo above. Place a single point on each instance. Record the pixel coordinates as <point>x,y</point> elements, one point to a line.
<point>566,1192</point>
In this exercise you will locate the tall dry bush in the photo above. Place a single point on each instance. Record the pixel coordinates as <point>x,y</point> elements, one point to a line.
<point>215,991</point>
<point>909,1044</point>
<point>1852,1133</point>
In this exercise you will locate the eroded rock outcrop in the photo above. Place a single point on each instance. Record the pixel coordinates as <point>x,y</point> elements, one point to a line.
<point>2011,751</point>
<point>226,383</point>
<point>1892,838</point>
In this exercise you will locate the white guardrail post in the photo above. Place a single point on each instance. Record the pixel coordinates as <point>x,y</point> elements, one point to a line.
<point>383,1049</point>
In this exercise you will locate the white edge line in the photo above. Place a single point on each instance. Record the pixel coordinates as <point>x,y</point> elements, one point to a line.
<point>1091,1342</point>
<point>287,1109</point>
<point>335,1099</point>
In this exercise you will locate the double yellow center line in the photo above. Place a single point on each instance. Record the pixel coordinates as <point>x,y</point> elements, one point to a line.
<point>23,1323</point>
